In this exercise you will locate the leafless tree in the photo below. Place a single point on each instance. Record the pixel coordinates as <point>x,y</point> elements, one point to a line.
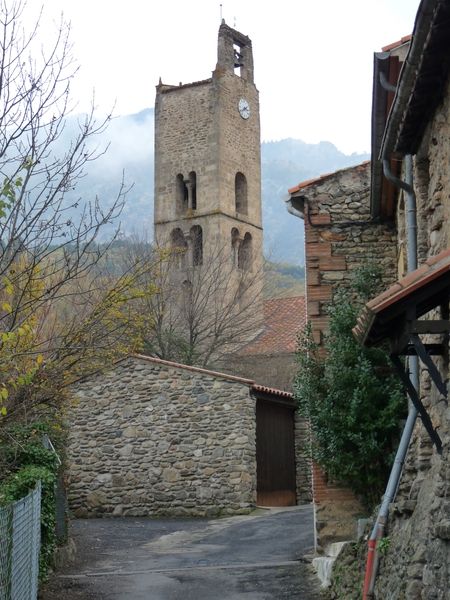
<point>201,312</point>
<point>49,237</point>
<point>53,238</point>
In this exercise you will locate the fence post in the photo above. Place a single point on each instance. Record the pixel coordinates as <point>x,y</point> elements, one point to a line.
<point>61,508</point>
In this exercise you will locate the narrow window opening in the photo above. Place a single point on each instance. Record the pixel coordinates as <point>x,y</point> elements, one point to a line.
<point>181,195</point>
<point>234,246</point>
<point>179,248</point>
<point>197,245</point>
<point>193,190</point>
<point>245,253</point>
<point>241,295</point>
<point>240,192</point>
<point>238,59</point>
<point>187,290</point>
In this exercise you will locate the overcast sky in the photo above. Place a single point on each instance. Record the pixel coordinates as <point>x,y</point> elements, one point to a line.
<point>313,59</point>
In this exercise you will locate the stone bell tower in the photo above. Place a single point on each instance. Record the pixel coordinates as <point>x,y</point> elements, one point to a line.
<point>208,163</point>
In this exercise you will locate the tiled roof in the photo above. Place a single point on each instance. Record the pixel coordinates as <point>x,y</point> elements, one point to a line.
<point>283,319</point>
<point>380,316</point>
<point>317,180</point>
<point>397,44</point>
<point>272,391</point>
<point>422,84</point>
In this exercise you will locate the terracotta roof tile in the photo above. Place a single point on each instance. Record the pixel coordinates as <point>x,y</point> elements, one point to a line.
<point>283,319</point>
<point>268,390</point>
<point>397,44</point>
<point>436,267</point>
<point>385,296</point>
<point>317,180</point>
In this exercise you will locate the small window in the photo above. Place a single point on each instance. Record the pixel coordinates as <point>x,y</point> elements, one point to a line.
<point>241,295</point>
<point>178,247</point>
<point>181,195</point>
<point>245,253</point>
<point>193,190</point>
<point>197,245</point>
<point>238,59</point>
<point>187,291</point>
<point>234,246</point>
<point>240,191</point>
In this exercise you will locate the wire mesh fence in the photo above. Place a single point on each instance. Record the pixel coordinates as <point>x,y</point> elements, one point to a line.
<point>20,527</point>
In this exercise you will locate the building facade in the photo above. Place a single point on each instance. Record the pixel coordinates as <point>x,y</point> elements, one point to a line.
<point>150,437</point>
<point>415,136</point>
<point>410,197</point>
<point>208,165</point>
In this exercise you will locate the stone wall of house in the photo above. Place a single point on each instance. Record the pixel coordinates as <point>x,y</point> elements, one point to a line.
<point>417,564</point>
<point>151,439</point>
<point>273,370</point>
<point>339,237</point>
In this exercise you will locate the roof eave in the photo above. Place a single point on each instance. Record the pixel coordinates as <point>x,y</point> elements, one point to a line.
<point>379,96</point>
<point>408,76</point>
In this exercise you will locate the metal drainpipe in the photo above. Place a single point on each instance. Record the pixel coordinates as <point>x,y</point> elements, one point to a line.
<point>397,467</point>
<point>292,210</point>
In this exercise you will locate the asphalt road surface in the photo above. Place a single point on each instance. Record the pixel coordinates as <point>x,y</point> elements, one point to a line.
<point>256,557</point>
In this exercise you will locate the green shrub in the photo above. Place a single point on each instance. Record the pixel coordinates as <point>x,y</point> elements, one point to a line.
<point>26,461</point>
<point>351,398</point>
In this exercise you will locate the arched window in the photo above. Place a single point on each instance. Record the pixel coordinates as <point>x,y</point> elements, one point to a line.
<point>187,291</point>
<point>178,247</point>
<point>193,190</point>
<point>245,253</point>
<point>234,246</point>
<point>197,245</point>
<point>241,295</point>
<point>181,195</point>
<point>240,193</point>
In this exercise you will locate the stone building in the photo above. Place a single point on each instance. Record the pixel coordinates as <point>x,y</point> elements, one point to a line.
<point>208,171</point>
<point>415,137</point>
<point>410,192</point>
<point>152,437</point>
<point>340,235</point>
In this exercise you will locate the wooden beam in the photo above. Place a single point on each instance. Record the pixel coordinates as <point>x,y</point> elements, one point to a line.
<point>432,369</point>
<point>440,326</point>
<point>412,393</point>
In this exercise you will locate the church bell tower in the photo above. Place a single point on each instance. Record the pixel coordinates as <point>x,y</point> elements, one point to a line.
<point>208,162</point>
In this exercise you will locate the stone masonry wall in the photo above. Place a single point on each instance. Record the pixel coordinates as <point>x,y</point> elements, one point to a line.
<point>151,439</point>
<point>417,564</point>
<point>339,237</point>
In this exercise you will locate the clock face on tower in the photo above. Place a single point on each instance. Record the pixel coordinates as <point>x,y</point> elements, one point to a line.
<point>244,108</point>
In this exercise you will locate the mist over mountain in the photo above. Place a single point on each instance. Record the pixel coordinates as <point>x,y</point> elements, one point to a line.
<point>130,152</point>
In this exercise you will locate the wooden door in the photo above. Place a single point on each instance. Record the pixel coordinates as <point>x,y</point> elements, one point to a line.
<point>275,454</point>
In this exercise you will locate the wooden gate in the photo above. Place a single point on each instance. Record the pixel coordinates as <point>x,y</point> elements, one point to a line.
<point>275,453</point>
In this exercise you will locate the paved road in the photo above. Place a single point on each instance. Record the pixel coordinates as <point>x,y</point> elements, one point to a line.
<point>257,557</point>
